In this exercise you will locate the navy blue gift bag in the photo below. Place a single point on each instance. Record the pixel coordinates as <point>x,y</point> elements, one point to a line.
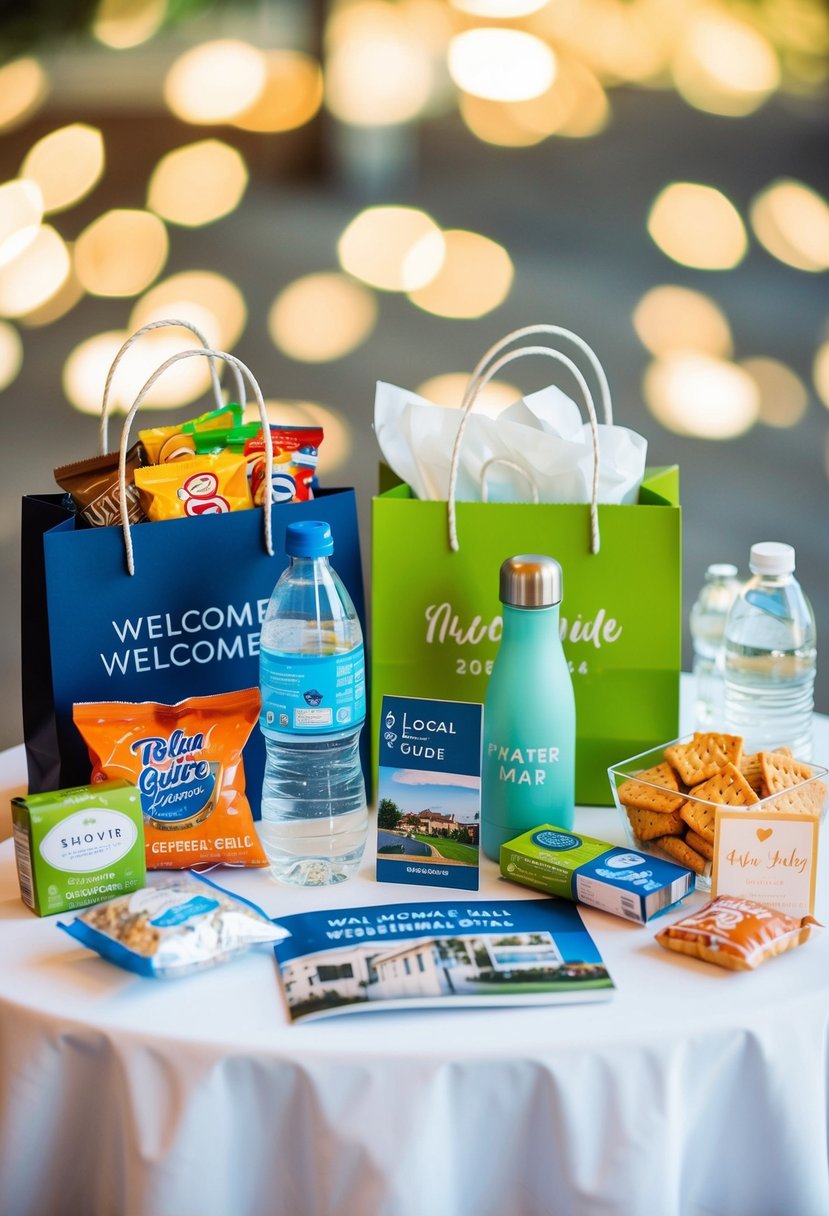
<point>184,623</point>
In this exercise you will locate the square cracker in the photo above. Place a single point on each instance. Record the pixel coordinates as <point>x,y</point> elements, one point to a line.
<point>728,787</point>
<point>679,851</point>
<point>640,791</point>
<point>781,772</point>
<point>700,819</point>
<point>704,756</point>
<point>752,769</point>
<point>784,781</point>
<point>800,800</point>
<point>699,844</point>
<point>647,825</point>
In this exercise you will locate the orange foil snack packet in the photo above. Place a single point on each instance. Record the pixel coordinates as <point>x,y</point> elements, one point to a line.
<point>186,760</point>
<point>206,485</point>
<point>735,933</point>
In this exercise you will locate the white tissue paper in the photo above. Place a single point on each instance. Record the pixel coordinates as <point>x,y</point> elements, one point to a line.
<point>537,449</point>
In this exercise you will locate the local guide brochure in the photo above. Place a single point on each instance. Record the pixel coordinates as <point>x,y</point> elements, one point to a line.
<point>419,955</point>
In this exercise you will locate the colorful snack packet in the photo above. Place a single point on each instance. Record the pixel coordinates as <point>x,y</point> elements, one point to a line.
<point>735,933</point>
<point>170,443</point>
<point>295,456</point>
<point>186,760</point>
<point>93,486</point>
<point>172,927</point>
<point>231,440</point>
<point>224,439</point>
<point>204,485</point>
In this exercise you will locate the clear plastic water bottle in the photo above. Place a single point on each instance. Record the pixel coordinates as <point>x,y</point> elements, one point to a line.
<point>312,676</point>
<point>707,622</point>
<point>770,656</point>
<point>529,750</point>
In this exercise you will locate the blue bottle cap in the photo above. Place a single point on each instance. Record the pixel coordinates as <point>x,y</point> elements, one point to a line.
<point>309,538</point>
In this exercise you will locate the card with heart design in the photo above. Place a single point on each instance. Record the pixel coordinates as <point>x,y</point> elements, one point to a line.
<point>769,858</point>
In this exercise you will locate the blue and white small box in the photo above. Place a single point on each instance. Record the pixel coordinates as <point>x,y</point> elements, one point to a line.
<point>593,872</point>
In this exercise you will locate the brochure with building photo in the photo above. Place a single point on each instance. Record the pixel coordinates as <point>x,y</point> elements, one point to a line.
<point>422,955</point>
<point>429,792</point>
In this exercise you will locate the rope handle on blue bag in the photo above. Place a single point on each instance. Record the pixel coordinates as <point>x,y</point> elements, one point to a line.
<point>240,369</point>
<point>167,322</point>
<point>487,367</point>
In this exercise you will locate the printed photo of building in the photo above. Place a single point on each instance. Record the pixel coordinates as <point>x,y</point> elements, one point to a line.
<point>426,967</point>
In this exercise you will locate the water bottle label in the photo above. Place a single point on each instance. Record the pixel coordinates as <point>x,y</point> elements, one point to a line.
<point>306,694</point>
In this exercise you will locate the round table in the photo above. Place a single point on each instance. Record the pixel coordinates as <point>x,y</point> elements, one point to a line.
<point>693,1092</point>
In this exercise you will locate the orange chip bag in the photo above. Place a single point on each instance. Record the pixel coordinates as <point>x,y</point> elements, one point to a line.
<point>186,760</point>
<point>735,933</point>
<point>207,485</point>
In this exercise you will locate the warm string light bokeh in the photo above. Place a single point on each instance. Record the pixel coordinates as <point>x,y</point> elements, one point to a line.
<point>518,72</point>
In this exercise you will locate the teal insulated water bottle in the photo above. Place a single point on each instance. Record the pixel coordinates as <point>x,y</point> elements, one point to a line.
<point>529,753</point>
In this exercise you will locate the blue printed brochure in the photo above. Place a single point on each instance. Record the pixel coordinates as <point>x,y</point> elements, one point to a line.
<point>427,955</point>
<point>429,792</point>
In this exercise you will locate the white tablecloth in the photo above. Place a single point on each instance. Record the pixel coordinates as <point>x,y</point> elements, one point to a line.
<point>693,1092</point>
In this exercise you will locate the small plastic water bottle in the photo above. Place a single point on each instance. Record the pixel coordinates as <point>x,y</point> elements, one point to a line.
<point>528,775</point>
<point>708,617</point>
<point>312,677</point>
<point>770,656</point>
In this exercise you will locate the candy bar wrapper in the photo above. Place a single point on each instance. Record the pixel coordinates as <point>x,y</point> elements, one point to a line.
<point>93,486</point>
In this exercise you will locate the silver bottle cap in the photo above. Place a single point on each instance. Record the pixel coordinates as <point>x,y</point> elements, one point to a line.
<point>530,580</point>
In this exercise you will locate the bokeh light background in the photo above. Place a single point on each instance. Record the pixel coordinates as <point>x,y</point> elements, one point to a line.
<point>378,189</point>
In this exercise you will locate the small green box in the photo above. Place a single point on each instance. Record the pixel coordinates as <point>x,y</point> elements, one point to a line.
<point>622,881</point>
<point>78,846</point>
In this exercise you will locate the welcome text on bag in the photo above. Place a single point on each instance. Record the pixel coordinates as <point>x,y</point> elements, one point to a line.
<point>241,624</point>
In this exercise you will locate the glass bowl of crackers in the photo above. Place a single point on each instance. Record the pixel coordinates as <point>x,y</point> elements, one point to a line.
<point>668,797</point>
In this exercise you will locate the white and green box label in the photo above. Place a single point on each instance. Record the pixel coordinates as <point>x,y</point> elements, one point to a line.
<point>78,846</point>
<point>622,881</point>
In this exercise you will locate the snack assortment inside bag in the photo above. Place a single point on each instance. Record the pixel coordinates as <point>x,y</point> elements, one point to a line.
<point>735,933</point>
<point>176,925</point>
<point>186,760</point>
<point>204,485</point>
<point>672,805</point>
<point>209,465</point>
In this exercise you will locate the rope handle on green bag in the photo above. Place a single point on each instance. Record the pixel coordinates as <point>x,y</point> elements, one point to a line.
<point>557,331</point>
<point>240,369</point>
<point>488,366</point>
<point>167,322</point>
<point>509,464</point>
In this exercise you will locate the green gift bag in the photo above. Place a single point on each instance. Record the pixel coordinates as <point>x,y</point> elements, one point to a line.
<point>436,619</point>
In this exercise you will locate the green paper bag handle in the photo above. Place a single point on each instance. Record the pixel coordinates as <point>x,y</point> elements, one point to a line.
<point>240,369</point>
<point>486,368</point>
<point>165,323</point>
